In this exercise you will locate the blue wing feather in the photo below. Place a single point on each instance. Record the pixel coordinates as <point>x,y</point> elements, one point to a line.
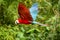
<point>34,10</point>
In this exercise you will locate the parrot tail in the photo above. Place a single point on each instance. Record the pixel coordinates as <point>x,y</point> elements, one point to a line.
<point>39,23</point>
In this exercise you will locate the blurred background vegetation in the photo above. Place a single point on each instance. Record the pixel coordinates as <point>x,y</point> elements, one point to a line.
<point>49,13</point>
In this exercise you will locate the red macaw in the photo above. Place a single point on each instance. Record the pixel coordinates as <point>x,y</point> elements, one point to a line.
<point>27,16</point>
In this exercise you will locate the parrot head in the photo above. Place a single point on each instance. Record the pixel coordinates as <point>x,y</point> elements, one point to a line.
<point>16,22</point>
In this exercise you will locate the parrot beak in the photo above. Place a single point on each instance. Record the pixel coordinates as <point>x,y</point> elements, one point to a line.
<point>16,22</point>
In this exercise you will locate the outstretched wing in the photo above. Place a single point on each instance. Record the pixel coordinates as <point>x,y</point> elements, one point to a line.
<point>24,12</point>
<point>34,10</point>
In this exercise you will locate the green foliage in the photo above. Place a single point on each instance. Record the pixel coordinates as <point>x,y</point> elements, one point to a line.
<point>48,14</point>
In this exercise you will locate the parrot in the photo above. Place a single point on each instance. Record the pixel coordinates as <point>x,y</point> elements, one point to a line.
<point>28,15</point>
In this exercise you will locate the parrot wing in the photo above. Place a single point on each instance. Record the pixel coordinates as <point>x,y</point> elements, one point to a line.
<point>24,12</point>
<point>34,10</point>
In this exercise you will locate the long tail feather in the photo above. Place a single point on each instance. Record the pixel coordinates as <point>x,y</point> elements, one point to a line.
<point>39,23</point>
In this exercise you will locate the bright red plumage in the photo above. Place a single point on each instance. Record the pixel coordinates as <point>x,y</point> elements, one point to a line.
<point>21,21</point>
<point>24,13</point>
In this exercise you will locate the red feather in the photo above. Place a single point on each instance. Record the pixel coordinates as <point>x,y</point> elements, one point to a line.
<point>24,12</point>
<point>21,21</point>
